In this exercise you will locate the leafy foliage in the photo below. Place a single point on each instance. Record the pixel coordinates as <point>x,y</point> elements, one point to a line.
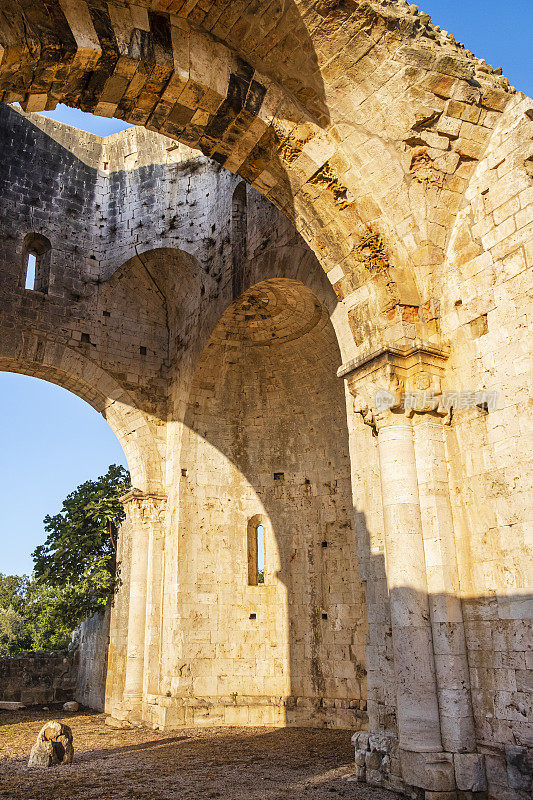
<point>12,590</point>
<point>74,570</point>
<point>46,625</point>
<point>78,557</point>
<point>12,633</point>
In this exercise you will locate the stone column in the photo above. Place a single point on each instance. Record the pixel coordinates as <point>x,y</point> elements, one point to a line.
<point>143,516</point>
<point>398,394</point>
<point>417,704</point>
<point>453,679</point>
<point>154,601</point>
<point>118,629</point>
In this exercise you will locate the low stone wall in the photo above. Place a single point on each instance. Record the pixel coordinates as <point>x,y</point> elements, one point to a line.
<point>78,673</point>
<point>38,678</point>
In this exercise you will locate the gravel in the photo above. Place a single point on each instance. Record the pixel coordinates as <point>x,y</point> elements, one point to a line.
<point>195,763</point>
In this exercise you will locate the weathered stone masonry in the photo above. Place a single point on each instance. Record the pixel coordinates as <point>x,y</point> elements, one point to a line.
<point>190,312</point>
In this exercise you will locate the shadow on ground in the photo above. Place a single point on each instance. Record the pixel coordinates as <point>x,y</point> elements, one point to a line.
<point>226,763</point>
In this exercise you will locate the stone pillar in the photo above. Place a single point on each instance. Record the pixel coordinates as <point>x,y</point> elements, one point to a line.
<point>143,517</point>
<point>417,705</point>
<point>154,601</point>
<point>118,630</point>
<point>398,394</point>
<point>453,679</point>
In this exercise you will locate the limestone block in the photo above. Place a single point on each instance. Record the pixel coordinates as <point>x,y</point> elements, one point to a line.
<point>519,768</point>
<point>433,771</point>
<point>117,723</point>
<point>470,772</point>
<point>360,740</point>
<point>372,760</point>
<point>8,705</point>
<point>53,746</point>
<point>383,742</point>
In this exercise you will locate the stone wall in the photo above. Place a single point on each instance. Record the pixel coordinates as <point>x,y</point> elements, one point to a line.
<point>79,673</point>
<point>190,312</point>
<point>38,678</point>
<point>92,643</point>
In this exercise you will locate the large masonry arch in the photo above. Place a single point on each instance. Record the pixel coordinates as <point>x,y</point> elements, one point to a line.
<point>65,367</point>
<point>356,152</point>
<point>350,152</point>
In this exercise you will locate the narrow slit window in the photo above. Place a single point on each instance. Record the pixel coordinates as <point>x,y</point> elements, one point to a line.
<point>36,258</point>
<point>31,266</point>
<point>256,553</point>
<point>260,533</point>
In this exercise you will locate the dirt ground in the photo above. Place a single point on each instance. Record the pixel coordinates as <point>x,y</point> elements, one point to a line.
<point>226,763</point>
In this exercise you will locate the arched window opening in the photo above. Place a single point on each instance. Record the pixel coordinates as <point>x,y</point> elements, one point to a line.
<point>36,253</point>
<point>30,271</point>
<point>256,552</point>
<point>238,238</point>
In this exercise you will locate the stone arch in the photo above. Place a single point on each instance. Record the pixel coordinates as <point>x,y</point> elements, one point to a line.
<point>265,439</point>
<point>72,371</point>
<point>350,142</point>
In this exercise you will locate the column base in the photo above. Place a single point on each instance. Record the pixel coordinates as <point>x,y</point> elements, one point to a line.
<point>379,761</point>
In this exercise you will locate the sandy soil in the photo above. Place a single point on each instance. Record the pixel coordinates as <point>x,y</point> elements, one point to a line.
<point>231,764</point>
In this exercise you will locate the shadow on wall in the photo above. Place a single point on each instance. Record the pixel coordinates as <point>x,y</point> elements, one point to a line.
<point>266,439</point>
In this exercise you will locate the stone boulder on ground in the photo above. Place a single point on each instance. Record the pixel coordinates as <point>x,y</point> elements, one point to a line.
<point>53,746</point>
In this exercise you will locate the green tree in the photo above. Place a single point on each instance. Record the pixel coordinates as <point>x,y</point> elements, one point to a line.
<point>74,570</point>
<point>48,620</point>
<point>12,631</point>
<point>13,634</point>
<point>13,589</point>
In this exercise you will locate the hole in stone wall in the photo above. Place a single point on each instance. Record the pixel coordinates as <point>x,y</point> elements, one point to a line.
<point>36,262</point>
<point>142,350</point>
<point>324,544</point>
<point>279,476</point>
<point>260,533</point>
<point>256,553</point>
<point>86,338</point>
<point>30,271</point>
<point>253,616</point>
<point>324,616</point>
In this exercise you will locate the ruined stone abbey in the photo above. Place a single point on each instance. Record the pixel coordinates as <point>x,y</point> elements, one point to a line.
<point>298,292</point>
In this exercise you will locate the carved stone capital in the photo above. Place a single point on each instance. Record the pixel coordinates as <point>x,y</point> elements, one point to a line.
<point>396,382</point>
<point>144,506</point>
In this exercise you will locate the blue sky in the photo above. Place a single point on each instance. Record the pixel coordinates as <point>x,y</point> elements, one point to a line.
<point>52,441</point>
<point>499,32</point>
